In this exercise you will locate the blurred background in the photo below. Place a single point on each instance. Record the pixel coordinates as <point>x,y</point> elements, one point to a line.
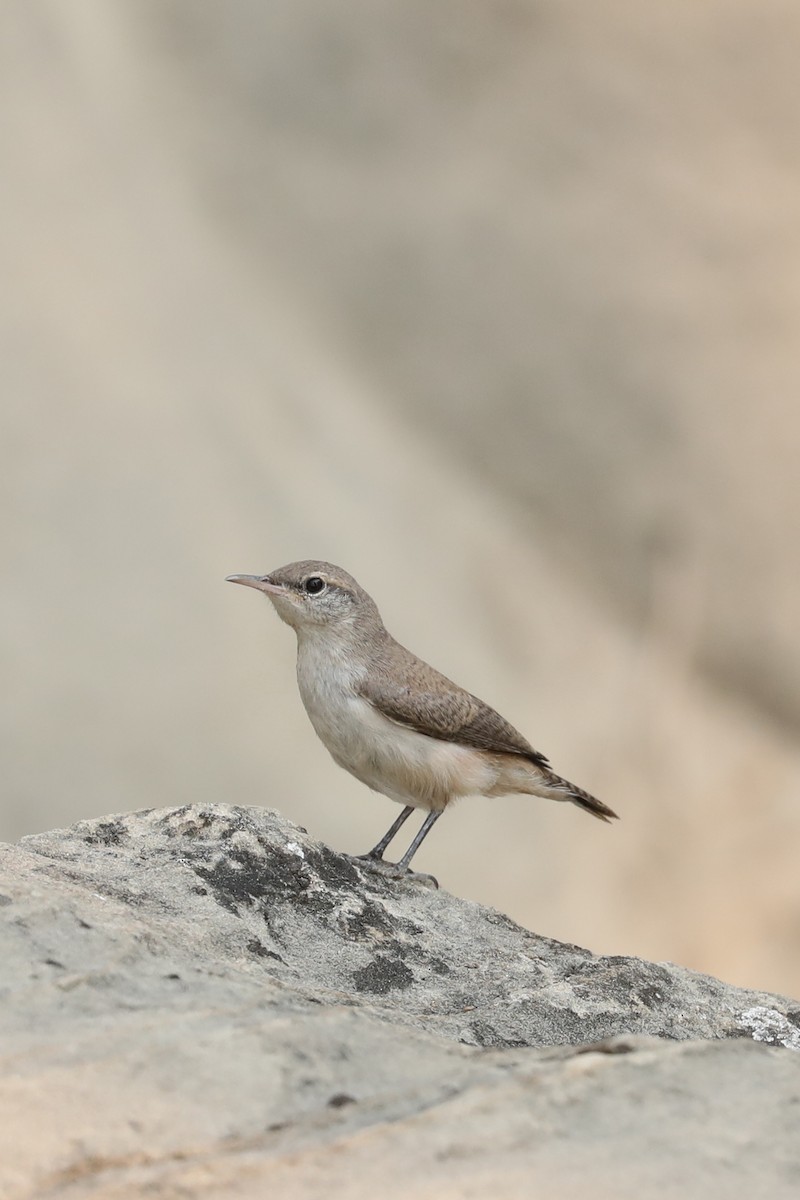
<point>498,306</point>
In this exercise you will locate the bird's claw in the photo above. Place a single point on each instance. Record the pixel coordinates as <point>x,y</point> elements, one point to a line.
<point>377,865</point>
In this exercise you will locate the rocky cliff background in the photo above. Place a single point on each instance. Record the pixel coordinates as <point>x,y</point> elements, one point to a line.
<point>496,305</point>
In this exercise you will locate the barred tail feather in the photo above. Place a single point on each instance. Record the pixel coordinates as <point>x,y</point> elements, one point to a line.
<point>535,778</point>
<point>581,798</point>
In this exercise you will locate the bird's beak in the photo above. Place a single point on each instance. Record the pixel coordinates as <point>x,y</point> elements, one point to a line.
<point>262,582</point>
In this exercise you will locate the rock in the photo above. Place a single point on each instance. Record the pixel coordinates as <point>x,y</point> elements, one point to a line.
<point>206,1001</point>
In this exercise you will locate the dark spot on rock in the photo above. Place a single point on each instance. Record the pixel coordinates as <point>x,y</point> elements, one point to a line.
<point>176,825</point>
<point>607,1046</point>
<point>652,996</point>
<point>83,924</point>
<point>107,833</point>
<point>333,869</point>
<point>382,975</point>
<point>241,877</point>
<point>793,1017</point>
<point>646,983</point>
<point>255,947</point>
<point>498,918</point>
<point>438,965</point>
<point>340,1100</point>
<point>53,962</point>
<point>200,891</point>
<point>487,1036</point>
<point>172,975</point>
<point>372,919</point>
<point>4,900</point>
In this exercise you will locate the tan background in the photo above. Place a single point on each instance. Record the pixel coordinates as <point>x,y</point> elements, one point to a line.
<point>496,305</point>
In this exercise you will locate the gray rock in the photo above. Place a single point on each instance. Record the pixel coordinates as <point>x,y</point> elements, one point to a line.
<point>206,1001</point>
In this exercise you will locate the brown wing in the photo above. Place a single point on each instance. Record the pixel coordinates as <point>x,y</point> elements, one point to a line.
<point>445,711</point>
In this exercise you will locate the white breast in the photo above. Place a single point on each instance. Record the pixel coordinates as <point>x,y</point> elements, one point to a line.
<point>399,762</point>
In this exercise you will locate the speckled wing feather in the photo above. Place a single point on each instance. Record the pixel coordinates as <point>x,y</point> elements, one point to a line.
<point>415,695</point>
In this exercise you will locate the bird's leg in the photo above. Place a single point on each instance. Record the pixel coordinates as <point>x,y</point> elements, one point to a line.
<point>377,851</point>
<point>427,826</point>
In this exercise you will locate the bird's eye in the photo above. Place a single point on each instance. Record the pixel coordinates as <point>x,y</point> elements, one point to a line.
<point>314,585</point>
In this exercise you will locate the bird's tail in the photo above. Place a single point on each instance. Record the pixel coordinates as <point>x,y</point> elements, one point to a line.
<point>534,777</point>
<point>562,789</point>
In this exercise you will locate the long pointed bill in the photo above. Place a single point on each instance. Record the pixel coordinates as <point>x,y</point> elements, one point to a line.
<point>261,582</point>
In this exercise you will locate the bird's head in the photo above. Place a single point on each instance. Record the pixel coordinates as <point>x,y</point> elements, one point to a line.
<point>310,595</point>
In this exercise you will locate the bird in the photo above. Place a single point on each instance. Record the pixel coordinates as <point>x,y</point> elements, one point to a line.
<point>391,720</point>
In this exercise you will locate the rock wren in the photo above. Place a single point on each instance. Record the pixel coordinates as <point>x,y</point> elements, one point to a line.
<point>390,719</point>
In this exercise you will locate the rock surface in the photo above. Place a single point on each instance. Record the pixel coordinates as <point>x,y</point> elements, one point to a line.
<point>204,1001</point>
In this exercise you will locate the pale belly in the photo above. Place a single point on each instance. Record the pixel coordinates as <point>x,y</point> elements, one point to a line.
<point>404,765</point>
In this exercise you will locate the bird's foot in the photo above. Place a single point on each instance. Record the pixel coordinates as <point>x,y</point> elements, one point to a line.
<point>371,862</point>
<point>374,863</point>
<point>414,876</point>
<point>399,871</point>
